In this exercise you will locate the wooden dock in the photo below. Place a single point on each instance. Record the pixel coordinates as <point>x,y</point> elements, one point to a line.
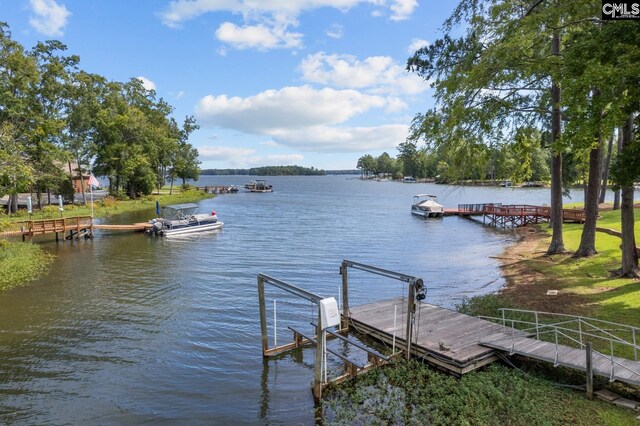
<point>513,215</point>
<point>442,337</point>
<point>69,227</point>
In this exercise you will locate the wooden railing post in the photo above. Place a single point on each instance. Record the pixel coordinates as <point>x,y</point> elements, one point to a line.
<point>263,315</point>
<point>345,296</point>
<point>317,379</point>
<point>589,367</point>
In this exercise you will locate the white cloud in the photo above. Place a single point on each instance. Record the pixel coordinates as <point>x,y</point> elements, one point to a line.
<point>179,11</point>
<point>146,83</point>
<point>290,107</point>
<point>50,17</point>
<point>266,23</point>
<point>417,43</point>
<point>335,31</point>
<point>402,9</point>
<point>343,139</point>
<point>376,74</point>
<point>261,37</point>
<point>246,157</point>
<point>305,118</point>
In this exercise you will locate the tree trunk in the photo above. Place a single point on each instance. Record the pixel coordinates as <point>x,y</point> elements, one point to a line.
<point>616,194</point>
<point>557,243</point>
<point>84,196</point>
<point>588,239</point>
<point>629,254</point>
<point>605,172</point>
<point>171,188</point>
<point>14,203</point>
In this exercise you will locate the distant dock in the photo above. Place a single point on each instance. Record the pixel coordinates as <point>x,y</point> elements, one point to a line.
<point>513,215</point>
<point>219,189</point>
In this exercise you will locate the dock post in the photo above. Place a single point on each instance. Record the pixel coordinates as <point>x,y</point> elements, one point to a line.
<point>345,297</point>
<point>410,314</point>
<point>589,365</point>
<point>263,315</point>
<point>317,380</point>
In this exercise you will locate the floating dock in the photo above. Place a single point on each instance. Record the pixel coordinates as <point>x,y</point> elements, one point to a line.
<point>442,337</point>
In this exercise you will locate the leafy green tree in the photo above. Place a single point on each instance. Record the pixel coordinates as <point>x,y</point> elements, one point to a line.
<point>368,165</point>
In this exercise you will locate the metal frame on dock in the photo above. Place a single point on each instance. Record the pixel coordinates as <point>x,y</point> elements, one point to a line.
<point>415,285</point>
<point>352,367</point>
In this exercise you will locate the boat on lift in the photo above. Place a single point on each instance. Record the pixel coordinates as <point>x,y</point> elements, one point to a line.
<point>182,219</point>
<point>426,205</point>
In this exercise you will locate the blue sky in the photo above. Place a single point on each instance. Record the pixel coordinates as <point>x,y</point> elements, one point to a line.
<point>271,82</point>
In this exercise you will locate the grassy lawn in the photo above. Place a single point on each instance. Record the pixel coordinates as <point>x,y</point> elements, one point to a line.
<point>603,295</point>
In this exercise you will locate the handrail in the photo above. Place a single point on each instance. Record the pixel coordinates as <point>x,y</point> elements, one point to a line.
<point>566,315</point>
<point>558,329</point>
<point>586,327</point>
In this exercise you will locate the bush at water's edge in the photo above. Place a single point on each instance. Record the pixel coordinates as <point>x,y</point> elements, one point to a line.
<point>21,262</point>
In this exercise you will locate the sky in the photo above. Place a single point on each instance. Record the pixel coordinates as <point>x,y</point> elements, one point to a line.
<point>315,83</point>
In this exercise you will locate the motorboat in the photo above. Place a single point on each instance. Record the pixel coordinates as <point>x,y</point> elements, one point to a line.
<point>258,185</point>
<point>426,205</point>
<point>181,219</point>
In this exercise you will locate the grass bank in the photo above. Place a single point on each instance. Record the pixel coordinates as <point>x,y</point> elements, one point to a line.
<point>24,262</point>
<point>586,286</point>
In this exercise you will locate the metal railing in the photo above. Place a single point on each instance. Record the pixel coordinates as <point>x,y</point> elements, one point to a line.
<point>574,330</point>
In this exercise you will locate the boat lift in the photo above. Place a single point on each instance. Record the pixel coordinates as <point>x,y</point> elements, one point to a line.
<point>417,291</point>
<point>329,317</point>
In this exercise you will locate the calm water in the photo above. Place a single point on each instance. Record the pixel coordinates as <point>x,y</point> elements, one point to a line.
<point>127,329</point>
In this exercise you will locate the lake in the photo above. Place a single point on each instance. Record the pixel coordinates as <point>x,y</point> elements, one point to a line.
<point>131,329</point>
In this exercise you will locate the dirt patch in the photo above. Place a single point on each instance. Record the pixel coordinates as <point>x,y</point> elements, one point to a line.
<point>527,288</point>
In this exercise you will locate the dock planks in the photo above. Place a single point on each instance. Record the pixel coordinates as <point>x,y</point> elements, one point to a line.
<point>459,334</point>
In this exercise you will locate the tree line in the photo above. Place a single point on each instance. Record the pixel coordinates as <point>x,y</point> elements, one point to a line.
<point>267,171</point>
<point>53,114</point>
<point>519,81</point>
<point>498,162</point>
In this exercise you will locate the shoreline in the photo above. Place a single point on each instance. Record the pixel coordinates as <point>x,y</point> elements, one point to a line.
<point>525,287</point>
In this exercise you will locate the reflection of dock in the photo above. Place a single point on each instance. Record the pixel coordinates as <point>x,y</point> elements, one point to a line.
<point>513,215</point>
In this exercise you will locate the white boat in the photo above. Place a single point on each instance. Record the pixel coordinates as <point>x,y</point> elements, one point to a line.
<point>426,205</point>
<point>183,219</point>
<point>258,185</point>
